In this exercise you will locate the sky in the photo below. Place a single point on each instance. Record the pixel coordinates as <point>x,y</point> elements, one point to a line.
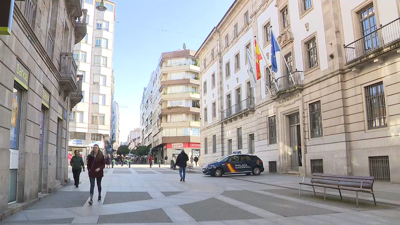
<point>146,28</point>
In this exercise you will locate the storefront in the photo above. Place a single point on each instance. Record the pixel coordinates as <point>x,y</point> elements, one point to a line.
<point>174,149</point>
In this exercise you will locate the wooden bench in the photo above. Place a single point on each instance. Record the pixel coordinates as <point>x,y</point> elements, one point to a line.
<point>342,182</point>
<point>190,167</point>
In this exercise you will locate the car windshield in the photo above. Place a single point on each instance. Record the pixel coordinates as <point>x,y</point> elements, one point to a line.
<point>222,159</point>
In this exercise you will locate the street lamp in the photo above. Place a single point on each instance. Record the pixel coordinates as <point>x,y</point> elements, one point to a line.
<point>101,7</point>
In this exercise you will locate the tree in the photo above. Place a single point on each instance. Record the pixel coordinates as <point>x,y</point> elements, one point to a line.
<point>123,150</point>
<point>142,150</point>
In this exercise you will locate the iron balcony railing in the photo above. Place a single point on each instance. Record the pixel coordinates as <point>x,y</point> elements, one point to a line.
<point>238,108</point>
<point>377,39</point>
<point>295,79</point>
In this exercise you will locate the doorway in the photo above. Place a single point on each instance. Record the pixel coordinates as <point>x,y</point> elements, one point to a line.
<point>295,141</point>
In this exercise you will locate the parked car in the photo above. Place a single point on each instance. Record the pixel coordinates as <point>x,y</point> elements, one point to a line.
<point>236,163</point>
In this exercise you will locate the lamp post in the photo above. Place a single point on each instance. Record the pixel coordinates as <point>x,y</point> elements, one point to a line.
<point>101,7</point>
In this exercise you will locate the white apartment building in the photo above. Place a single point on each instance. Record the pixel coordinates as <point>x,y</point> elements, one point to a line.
<point>170,111</point>
<point>91,118</point>
<point>333,109</point>
<point>134,138</point>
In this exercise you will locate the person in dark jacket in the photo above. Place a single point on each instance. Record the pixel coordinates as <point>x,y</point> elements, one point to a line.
<point>77,166</point>
<point>181,161</point>
<point>95,166</point>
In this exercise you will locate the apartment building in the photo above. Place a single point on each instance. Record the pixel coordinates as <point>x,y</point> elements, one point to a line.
<point>134,138</point>
<point>331,106</point>
<point>115,132</point>
<point>39,85</point>
<point>170,110</point>
<point>91,119</point>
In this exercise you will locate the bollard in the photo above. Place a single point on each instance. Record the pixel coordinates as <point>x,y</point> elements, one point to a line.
<point>129,163</point>
<point>159,163</point>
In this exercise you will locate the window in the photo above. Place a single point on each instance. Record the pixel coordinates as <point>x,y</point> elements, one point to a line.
<point>312,55</point>
<point>247,49</point>
<point>101,119</point>
<point>368,26</point>
<point>205,63</point>
<point>289,61</point>
<point>98,119</point>
<point>83,57</point>
<point>237,61</point>
<point>205,114</point>
<point>235,31</point>
<point>239,137</point>
<point>213,80</point>
<point>285,17</point>
<point>15,118</point>
<point>228,101</point>
<point>77,136</point>
<point>30,12</point>
<point>205,146</point>
<point>267,33</point>
<point>205,87</point>
<point>97,60</point>
<point>238,96</point>
<point>109,7</point>
<point>214,110</point>
<point>212,54</point>
<point>272,130</point>
<point>98,43</point>
<point>85,39</point>
<point>102,25</point>
<point>226,40</point>
<point>104,61</point>
<point>106,25</point>
<point>96,137</point>
<point>376,107</point>
<point>79,117</point>
<point>80,56</point>
<point>76,56</point>
<point>72,117</point>
<point>246,18</point>
<point>83,96</point>
<point>99,79</point>
<point>307,4</point>
<point>89,2</point>
<point>87,19</point>
<point>315,120</point>
<point>270,77</point>
<point>228,69</point>
<point>214,143</point>
<point>99,99</point>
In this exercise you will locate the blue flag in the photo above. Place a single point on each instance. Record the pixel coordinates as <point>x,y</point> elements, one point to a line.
<point>274,49</point>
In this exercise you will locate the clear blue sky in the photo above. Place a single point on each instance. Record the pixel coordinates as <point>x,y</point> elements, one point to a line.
<point>146,28</point>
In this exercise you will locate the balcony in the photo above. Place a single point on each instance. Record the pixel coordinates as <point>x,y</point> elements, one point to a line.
<point>80,28</point>
<point>374,44</point>
<point>287,83</point>
<point>180,96</point>
<point>166,83</point>
<point>195,124</point>
<point>76,96</point>
<point>180,110</point>
<point>182,67</point>
<point>243,108</point>
<point>68,69</point>
<point>74,8</point>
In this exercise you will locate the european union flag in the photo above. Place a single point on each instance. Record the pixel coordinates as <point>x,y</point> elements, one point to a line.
<point>274,49</point>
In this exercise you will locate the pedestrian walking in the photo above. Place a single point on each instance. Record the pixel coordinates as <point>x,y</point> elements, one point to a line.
<point>150,160</point>
<point>77,166</point>
<point>181,161</point>
<point>108,161</point>
<point>122,160</point>
<point>95,168</point>
<point>165,160</point>
<point>196,159</point>
<point>191,159</point>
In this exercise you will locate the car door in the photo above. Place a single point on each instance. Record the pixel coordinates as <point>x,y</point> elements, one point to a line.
<point>246,164</point>
<point>232,164</point>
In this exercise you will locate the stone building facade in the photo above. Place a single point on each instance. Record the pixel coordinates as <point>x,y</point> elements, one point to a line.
<point>331,107</point>
<point>38,86</point>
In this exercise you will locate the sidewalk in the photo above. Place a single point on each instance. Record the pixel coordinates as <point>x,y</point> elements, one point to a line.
<point>385,192</point>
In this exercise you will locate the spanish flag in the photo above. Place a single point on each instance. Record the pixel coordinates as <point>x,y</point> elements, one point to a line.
<point>258,58</point>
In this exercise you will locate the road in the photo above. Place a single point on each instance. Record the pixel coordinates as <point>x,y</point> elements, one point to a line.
<point>140,195</point>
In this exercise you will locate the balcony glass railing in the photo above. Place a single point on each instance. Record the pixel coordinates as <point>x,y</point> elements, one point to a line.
<point>373,41</point>
<point>238,108</point>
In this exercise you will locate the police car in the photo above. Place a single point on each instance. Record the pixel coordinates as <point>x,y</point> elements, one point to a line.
<point>235,164</point>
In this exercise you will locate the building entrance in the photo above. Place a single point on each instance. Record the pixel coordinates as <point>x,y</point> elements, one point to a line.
<point>295,141</point>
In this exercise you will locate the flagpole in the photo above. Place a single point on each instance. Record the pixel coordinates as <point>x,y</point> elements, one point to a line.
<point>267,67</point>
<point>287,65</point>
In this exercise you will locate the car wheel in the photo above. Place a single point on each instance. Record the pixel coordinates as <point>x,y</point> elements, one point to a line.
<point>248,173</point>
<point>218,172</point>
<point>256,171</point>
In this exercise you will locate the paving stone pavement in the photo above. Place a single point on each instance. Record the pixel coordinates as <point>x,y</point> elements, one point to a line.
<point>140,195</point>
